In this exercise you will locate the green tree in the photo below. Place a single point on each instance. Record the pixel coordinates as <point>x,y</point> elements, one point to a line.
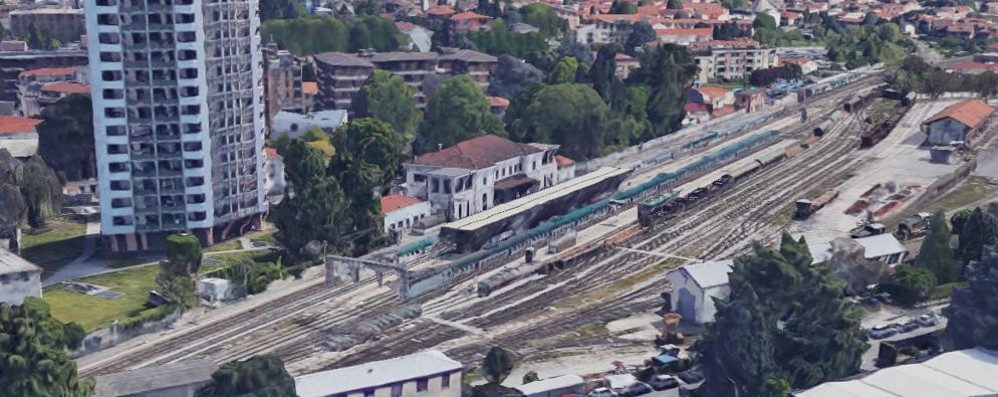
<point>603,73</point>
<point>935,253</point>
<point>458,111</point>
<point>530,377</point>
<point>727,31</point>
<point>499,41</point>
<point>41,189</point>
<point>910,285</point>
<point>511,76</point>
<point>674,4</point>
<point>280,9</point>
<point>496,366</point>
<point>386,97</point>
<point>784,320</point>
<point>571,115</point>
<point>257,376</point>
<point>973,311</point>
<point>980,230</point>
<point>641,34</point>
<point>668,71</point>
<point>183,254</point>
<point>308,35</point>
<point>33,359</point>
<point>68,123</point>
<point>564,71</point>
<point>959,219</point>
<point>315,212</point>
<point>360,37</point>
<point>623,7</point>
<point>541,16</point>
<point>763,20</point>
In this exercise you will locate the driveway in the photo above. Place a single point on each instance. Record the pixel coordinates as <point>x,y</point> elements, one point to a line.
<point>891,314</point>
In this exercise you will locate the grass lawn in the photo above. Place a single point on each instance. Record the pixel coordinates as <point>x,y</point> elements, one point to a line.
<point>943,291</point>
<point>224,246</point>
<point>972,190</point>
<point>94,312</point>
<point>265,236</point>
<point>54,248</point>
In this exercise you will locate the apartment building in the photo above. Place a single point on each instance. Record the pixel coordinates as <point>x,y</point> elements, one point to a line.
<point>178,118</point>
<point>38,88</point>
<point>13,63</point>
<point>340,75</point>
<point>283,82</point>
<point>64,24</point>
<point>726,60</point>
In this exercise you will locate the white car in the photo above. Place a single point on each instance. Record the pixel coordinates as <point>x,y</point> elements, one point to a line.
<point>603,392</point>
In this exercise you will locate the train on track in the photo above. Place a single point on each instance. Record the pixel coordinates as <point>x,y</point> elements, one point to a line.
<point>879,131</point>
<point>806,208</point>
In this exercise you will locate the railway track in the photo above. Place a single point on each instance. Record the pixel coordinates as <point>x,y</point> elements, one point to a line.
<point>295,325</point>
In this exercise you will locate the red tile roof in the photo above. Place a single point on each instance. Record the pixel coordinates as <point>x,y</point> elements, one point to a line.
<point>393,202</point>
<point>685,32</point>
<point>476,153</point>
<point>498,102</point>
<point>467,15</point>
<point>563,161</point>
<point>712,92</point>
<point>405,26</point>
<point>271,154</point>
<point>440,11</point>
<point>724,110</point>
<point>972,113</point>
<point>14,124</point>
<point>67,87</point>
<point>48,72</point>
<point>695,107</point>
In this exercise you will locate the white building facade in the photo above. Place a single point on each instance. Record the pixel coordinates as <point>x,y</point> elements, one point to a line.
<point>178,118</point>
<point>695,286</point>
<point>429,374</point>
<point>480,173</point>
<point>402,213</point>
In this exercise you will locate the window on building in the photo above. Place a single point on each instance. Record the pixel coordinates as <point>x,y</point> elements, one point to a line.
<point>422,385</point>
<point>122,202</point>
<point>369,393</point>
<point>534,166</point>
<point>445,381</point>
<point>110,75</point>
<point>397,390</point>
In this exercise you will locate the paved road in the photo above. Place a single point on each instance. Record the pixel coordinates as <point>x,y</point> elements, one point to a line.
<point>82,265</point>
<point>892,314</point>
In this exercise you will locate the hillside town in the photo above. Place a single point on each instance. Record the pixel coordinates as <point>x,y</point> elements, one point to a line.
<point>359,198</point>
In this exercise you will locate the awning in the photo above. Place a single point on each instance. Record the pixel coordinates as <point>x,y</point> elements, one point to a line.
<point>665,359</point>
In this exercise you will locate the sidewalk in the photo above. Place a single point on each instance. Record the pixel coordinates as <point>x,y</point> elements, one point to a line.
<point>81,266</point>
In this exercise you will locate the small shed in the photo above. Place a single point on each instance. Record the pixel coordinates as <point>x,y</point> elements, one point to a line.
<point>941,154</point>
<point>553,387</point>
<point>695,286</point>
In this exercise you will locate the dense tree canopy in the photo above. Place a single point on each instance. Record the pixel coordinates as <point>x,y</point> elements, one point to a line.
<point>280,9</point>
<point>511,76</point>
<point>572,115</point>
<point>33,360</point>
<point>936,254</point>
<point>257,376</point>
<point>915,74</point>
<point>727,31</point>
<point>864,45</point>
<point>910,285</point>
<point>386,97</point>
<point>499,41</point>
<point>458,111</point>
<point>564,71</point>
<point>668,71</point>
<point>979,231</point>
<point>541,16</point>
<point>641,34</point>
<point>42,190</point>
<point>312,35</point>
<point>784,322</point>
<point>68,123</point>
<point>623,7</point>
<point>973,310</point>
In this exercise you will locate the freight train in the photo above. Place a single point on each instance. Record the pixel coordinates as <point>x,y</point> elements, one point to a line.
<point>880,131</point>
<point>806,208</point>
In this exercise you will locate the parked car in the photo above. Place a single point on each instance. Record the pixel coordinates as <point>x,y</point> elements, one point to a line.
<point>882,331</point>
<point>603,392</point>
<point>636,389</point>
<point>663,382</point>
<point>927,320</point>
<point>690,377</point>
<point>904,327</point>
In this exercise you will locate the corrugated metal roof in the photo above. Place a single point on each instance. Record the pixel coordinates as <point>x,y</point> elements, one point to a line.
<point>880,245</point>
<point>154,378</point>
<point>374,374</point>
<point>709,274</point>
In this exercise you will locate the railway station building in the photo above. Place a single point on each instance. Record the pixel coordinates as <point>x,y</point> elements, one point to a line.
<point>962,121</point>
<point>480,173</point>
<point>428,373</point>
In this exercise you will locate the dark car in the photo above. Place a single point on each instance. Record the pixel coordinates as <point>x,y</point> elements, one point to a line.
<point>906,326</point>
<point>663,382</point>
<point>690,377</point>
<point>882,332</point>
<point>635,389</point>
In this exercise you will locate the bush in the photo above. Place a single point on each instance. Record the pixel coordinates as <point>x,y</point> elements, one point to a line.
<point>910,285</point>
<point>147,316</point>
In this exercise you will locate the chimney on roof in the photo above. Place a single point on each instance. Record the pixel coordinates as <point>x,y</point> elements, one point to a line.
<point>440,147</point>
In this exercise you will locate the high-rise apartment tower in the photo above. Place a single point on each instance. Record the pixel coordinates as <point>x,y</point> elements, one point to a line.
<point>178,118</point>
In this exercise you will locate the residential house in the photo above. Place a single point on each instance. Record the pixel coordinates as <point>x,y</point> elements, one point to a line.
<point>273,173</point>
<point>13,63</point>
<point>439,13</point>
<point>684,36</point>
<point>295,125</point>
<point>63,24</point>
<point>179,379</point>
<point>478,174</point>
<point>30,95</point>
<point>625,65</point>
<point>19,136</point>
<point>566,168</point>
<point>420,38</point>
<point>610,28</point>
<point>429,373</point>
<point>340,75</point>
<point>730,59</point>
<point>401,212</point>
<point>881,248</point>
<point>498,106</point>
<point>962,121</point>
<point>19,278</point>
<point>283,86</point>
<point>470,21</point>
<point>694,288</point>
<point>714,97</point>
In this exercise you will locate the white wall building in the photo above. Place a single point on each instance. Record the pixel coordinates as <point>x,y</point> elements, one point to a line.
<point>429,373</point>
<point>402,213</point>
<point>566,168</point>
<point>882,248</point>
<point>295,125</point>
<point>480,173</point>
<point>19,278</point>
<point>178,118</point>
<point>695,286</point>
<point>273,172</point>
